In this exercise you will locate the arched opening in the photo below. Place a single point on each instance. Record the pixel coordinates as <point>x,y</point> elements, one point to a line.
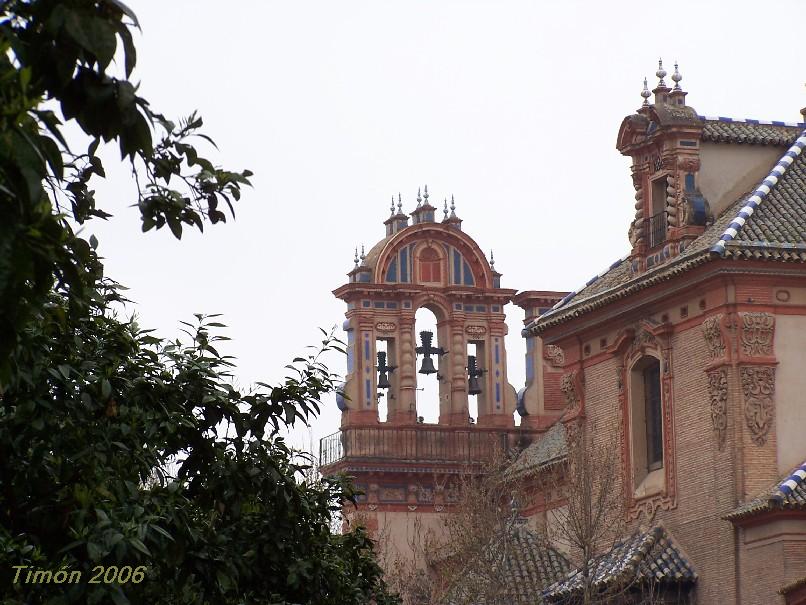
<point>382,346</point>
<point>474,351</point>
<point>427,393</point>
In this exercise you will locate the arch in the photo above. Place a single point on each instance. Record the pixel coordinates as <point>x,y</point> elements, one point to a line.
<point>429,264</point>
<point>395,258</point>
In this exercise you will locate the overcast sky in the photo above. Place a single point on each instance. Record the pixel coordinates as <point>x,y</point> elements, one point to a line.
<point>512,107</point>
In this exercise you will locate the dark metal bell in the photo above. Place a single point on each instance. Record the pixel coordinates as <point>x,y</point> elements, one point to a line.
<point>383,381</point>
<point>473,374</point>
<point>427,366</point>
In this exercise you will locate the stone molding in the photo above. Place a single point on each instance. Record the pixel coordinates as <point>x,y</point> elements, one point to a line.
<point>632,344</point>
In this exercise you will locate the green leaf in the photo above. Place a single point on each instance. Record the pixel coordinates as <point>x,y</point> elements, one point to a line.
<point>106,389</point>
<point>140,546</point>
<point>93,34</point>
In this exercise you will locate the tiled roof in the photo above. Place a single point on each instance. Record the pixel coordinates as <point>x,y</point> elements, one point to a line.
<point>789,494</point>
<point>793,586</point>
<point>769,223</point>
<point>749,132</point>
<point>646,557</point>
<point>551,447</point>
<point>780,193</point>
<point>525,564</point>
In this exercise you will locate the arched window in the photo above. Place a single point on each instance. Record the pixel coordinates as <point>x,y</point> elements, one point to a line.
<point>430,266</point>
<point>646,411</point>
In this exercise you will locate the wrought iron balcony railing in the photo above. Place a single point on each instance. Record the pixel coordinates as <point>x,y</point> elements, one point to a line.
<point>410,444</point>
<point>657,229</point>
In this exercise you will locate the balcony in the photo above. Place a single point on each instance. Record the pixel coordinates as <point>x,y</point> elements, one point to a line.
<point>423,443</point>
<point>657,229</point>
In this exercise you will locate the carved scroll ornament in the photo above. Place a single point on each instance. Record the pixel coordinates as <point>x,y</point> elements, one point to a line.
<point>758,385</point>
<point>713,337</point>
<point>757,333</point>
<point>718,397</point>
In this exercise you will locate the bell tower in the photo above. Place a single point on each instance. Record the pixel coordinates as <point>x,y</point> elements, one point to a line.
<point>404,465</point>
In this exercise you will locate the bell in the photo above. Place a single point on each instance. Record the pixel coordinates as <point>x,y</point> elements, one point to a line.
<point>383,381</point>
<point>473,386</point>
<point>473,374</point>
<point>427,367</point>
<point>383,371</point>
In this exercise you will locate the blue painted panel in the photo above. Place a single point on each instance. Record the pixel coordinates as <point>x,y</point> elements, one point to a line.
<point>468,275</point>
<point>497,354</point>
<point>404,265</point>
<point>391,272</point>
<point>498,392</point>
<point>368,384</point>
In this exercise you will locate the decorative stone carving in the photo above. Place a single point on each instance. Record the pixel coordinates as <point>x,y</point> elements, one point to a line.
<point>758,385</point>
<point>372,507</point>
<point>718,397</point>
<point>757,332</point>
<point>569,388</point>
<point>385,326</point>
<point>713,337</point>
<point>650,506</point>
<point>688,164</point>
<point>555,355</point>
<point>439,508</point>
<point>476,330</point>
<point>645,338</point>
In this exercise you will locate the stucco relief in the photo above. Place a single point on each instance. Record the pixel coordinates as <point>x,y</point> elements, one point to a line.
<point>757,333</point>
<point>555,355</point>
<point>758,385</point>
<point>714,340</point>
<point>718,397</point>
<point>385,326</point>
<point>649,506</point>
<point>476,330</point>
<point>568,386</point>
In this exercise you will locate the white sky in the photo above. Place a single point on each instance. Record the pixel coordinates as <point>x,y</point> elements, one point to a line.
<point>513,107</point>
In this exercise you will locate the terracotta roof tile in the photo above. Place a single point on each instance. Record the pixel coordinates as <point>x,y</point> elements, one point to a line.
<point>789,494</point>
<point>650,556</point>
<point>749,133</point>
<point>551,447</point>
<point>525,566</point>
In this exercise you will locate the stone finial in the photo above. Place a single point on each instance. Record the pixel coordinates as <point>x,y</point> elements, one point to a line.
<point>425,196</point>
<point>419,198</point>
<point>355,260</point>
<point>645,94</point>
<point>453,207</point>
<point>661,73</point>
<point>445,208</point>
<point>492,260</point>
<point>392,207</point>
<point>399,203</point>
<point>676,77</point>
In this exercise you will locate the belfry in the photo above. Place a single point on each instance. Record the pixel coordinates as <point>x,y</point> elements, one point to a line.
<point>402,464</point>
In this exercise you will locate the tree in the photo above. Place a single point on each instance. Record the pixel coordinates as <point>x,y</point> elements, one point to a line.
<point>484,542</point>
<point>121,451</point>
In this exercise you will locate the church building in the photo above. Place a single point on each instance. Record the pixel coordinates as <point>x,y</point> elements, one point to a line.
<point>688,352</point>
